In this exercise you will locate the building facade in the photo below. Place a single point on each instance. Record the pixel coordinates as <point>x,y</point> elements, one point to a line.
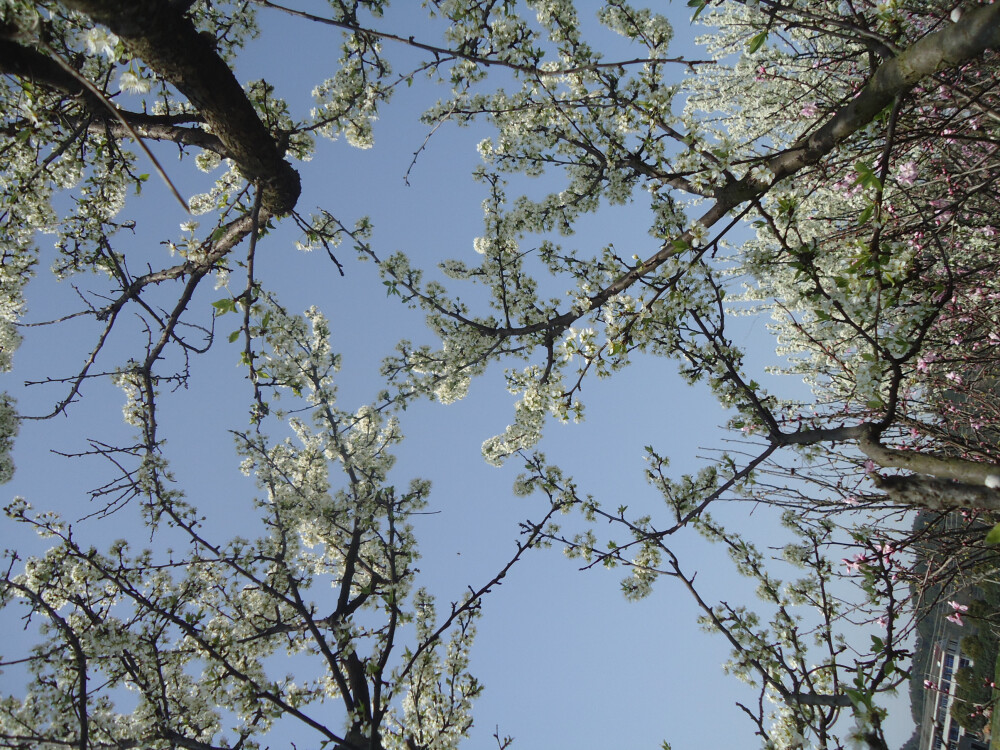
<point>938,730</point>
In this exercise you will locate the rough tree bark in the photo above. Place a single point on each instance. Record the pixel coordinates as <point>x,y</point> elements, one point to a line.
<point>168,42</point>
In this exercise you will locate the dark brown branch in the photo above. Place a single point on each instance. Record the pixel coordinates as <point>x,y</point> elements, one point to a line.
<point>32,65</point>
<point>168,42</point>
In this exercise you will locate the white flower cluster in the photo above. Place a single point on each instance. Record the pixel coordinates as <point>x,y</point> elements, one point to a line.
<point>641,24</point>
<point>128,379</point>
<point>785,732</point>
<point>133,82</point>
<point>437,705</point>
<point>536,401</point>
<point>348,102</point>
<point>100,41</point>
<point>227,187</point>
<point>9,426</point>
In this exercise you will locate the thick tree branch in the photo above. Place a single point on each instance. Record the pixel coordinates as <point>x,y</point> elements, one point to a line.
<point>977,31</point>
<point>937,494</point>
<point>867,437</point>
<point>147,126</point>
<point>168,42</point>
<point>32,65</point>
<point>942,467</point>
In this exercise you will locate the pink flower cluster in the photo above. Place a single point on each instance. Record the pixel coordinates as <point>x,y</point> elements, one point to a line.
<point>884,552</point>
<point>854,564</point>
<point>956,615</point>
<point>809,110</point>
<point>906,174</point>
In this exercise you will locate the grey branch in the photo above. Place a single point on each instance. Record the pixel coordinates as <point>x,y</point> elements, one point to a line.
<point>936,493</point>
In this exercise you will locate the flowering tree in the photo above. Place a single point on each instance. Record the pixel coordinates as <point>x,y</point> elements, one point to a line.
<point>862,149</point>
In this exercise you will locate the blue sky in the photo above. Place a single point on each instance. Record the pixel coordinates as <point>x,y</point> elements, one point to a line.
<point>566,661</point>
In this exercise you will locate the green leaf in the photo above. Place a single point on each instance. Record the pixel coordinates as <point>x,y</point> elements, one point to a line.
<point>878,645</point>
<point>866,214</point>
<point>994,536</point>
<point>757,42</point>
<point>866,176</point>
<point>700,5</point>
<point>224,305</point>
<point>234,335</point>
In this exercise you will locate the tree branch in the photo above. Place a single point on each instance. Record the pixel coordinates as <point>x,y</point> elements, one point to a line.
<point>936,493</point>
<point>168,42</point>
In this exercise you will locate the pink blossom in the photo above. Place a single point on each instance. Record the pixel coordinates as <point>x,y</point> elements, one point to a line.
<point>886,551</point>
<point>850,500</point>
<point>958,607</point>
<point>809,110</point>
<point>848,186</point>
<point>907,173</point>
<point>956,618</point>
<point>882,621</point>
<point>869,467</point>
<point>855,563</point>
